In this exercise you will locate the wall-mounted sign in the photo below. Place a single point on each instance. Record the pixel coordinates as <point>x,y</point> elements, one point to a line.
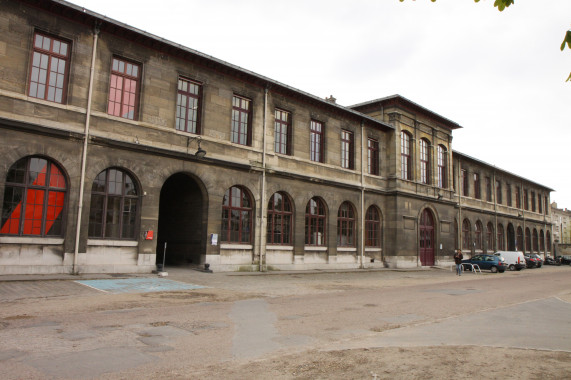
<point>214,239</point>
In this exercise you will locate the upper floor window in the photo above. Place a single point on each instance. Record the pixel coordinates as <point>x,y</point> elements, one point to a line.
<point>424,161</point>
<point>282,132</point>
<point>539,204</point>
<point>477,194</point>
<point>405,156</point>
<point>236,216</point>
<point>517,197</point>
<point>525,200</point>
<point>372,157</point>
<point>114,205</point>
<point>442,166</point>
<point>188,106</point>
<point>124,89</point>
<point>464,180</point>
<point>546,205</point>
<point>509,194</point>
<point>372,227</point>
<point>315,222</point>
<point>488,189</point>
<point>316,141</point>
<point>49,68</point>
<point>498,192</point>
<point>346,225</point>
<point>34,199</point>
<point>347,150</point>
<point>533,201</point>
<point>241,120</point>
<point>280,214</point>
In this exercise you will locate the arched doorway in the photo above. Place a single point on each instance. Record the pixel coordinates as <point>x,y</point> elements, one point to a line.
<point>426,238</point>
<point>511,238</point>
<point>182,222</point>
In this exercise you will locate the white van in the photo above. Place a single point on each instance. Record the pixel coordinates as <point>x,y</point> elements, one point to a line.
<point>515,260</point>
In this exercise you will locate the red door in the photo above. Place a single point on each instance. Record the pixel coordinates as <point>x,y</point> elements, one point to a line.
<point>426,238</point>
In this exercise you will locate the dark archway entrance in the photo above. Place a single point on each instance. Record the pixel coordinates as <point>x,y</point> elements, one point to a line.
<point>426,238</point>
<point>511,238</point>
<point>182,222</point>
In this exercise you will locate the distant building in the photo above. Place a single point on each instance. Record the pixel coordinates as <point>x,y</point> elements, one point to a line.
<point>561,219</point>
<point>118,146</point>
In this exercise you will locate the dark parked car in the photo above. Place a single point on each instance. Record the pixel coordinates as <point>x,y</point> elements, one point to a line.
<point>552,261</point>
<point>533,260</point>
<point>491,262</point>
<point>566,259</point>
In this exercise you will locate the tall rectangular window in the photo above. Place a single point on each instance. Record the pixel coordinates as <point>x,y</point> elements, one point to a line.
<point>442,167</point>
<point>316,141</point>
<point>406,172</point>
<point>533,201</point>
<point>464,182</point>
<point>546,205</point>
<point>241,120</point>
<point>372,157</point>
<point>282,135</point>
<point>488,189</point>
<point>517,197</point>
<point>124,88</point>
<point>49,68</point>
<point>498,192</point>
<point>424,161</point>
<point>509,195</point>
<point>347,150</point>
<point>477,194</point>
<point>539,204</point>
<point>188,104</point>
<point>525,200</point>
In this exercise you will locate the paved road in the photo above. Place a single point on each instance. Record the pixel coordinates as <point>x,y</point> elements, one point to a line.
<point>62,329</point>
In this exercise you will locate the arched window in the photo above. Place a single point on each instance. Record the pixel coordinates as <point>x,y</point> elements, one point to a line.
<point>405,155</point>
<point>548,240</point>
<point>34,199</point>
<point>442,167</point>
<point>541,241</point>
<point>466,235</point>
<point>372,227</point>
<point>535,241</point>
<point>424,161</point>
<point>519,239</point>
<point>236,216</point>
<point>478,236</point>
<point>114,205</point>
<point>346,225</point>
<point>315,222</point>
<point>501,238</point>
<point>490,237</point>
<point>280,215</point>
<point>527,240</point>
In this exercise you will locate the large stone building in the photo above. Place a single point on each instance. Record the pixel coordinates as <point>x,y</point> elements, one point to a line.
<point>561,219</point>
<point>118,146</point>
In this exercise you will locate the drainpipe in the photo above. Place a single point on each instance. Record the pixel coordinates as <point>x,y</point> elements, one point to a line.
<point>85,143</point>
<point>363,141</point>
<point>263,195</point>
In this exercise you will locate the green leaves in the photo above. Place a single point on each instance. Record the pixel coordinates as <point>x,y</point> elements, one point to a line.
<point>501,4</point>
<point>566,40</point>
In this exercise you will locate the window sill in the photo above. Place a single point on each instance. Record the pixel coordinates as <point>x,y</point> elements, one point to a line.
<point>346,249</point>
<point>373,249</point>
<point>30,240</point>
<point>236,246</point>
<point>315,249</point>
<point>279,248</point>
<point>112,243</point>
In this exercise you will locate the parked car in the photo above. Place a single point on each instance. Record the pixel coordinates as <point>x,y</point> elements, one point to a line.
<point>515,260</point>
<point>552,261</point>
<point>491,262</point>
<point>533,260</point>
<point>565,259</point>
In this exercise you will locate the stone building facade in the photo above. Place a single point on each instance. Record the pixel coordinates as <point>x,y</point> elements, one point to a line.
<point>121,150</point>
<point>561,219</point>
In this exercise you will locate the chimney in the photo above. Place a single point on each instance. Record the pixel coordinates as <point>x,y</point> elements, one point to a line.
<point>331,99</point>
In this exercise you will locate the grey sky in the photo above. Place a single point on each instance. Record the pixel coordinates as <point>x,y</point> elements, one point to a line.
<point>500,75</point>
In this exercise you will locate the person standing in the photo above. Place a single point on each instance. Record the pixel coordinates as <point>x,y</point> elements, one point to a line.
<point>458,260</point>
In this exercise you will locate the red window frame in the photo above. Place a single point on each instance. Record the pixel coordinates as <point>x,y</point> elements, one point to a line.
<point>477,193</point>
<point>315,223</point>
<point>509,195</point>
<point>114,210</point>
<point>517,197</point>
<point>372,157</point>
<point>346,225</point>
<point>442,167</point>
<point>49,68</point>
<point>372,227</point>
<point>533,201</point>
<point>35,198</point>
<point>188,106</point>
<point>406,172</point>
<point>280,220</point>
<point>124,89</point>
<point>237,216</point>
<point>424,161</point>
<point>283,135</point>
<point>316,141</point>
<point>347,150</point>
<point>241,120</point>
<point>465,191</point>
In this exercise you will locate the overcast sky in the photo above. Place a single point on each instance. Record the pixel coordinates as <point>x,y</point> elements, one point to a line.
<point>500,75</point>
